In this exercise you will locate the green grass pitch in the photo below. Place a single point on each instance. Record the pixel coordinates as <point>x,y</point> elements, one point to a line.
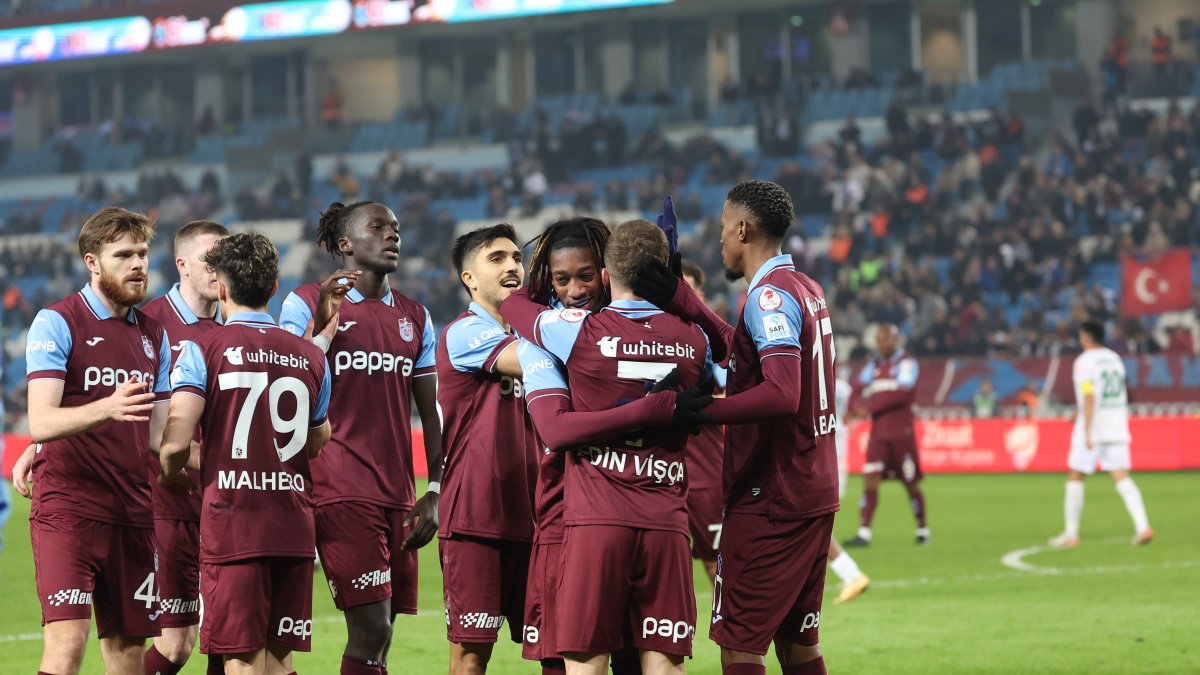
<point>951,607</point>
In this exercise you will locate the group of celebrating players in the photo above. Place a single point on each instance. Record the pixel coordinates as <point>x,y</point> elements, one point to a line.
<point>572,438</point>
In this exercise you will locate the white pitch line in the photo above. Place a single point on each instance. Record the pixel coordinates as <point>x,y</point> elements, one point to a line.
<point>1016,559</point>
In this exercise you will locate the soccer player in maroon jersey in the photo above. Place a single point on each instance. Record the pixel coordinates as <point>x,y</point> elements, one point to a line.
<point>781,484</point>
<point>887,389</point>
<point>625,502</point>
<point>486,511</point>
<point>261,396</point>
<point>96,368</point>
<point>369,521</point>
<point>187,311</point>
<point>705,452</point>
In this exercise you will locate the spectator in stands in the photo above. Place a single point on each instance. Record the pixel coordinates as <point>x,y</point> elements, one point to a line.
<point>850,131</point>
<point>331,106</point>
<point>1028,401</point>
<point>984,401</point>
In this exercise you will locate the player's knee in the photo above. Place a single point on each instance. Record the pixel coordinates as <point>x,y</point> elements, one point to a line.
<point>65,646</point>
<point>474,659</point>
<point>176,644</point>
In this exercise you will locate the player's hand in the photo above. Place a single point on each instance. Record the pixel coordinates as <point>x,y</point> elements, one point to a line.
<point>327,332</point>
<point>668,383</point>
<point>423,519</point>
<point>178,483</point>
<point>23,472</point>
<point>131,402</point>
<point>689,410</point>
<point>655,283</point>
<point>333,291</point>
<point>1087,439</point>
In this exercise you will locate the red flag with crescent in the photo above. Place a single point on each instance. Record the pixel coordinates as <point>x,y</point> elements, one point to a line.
<point>1162,284</point>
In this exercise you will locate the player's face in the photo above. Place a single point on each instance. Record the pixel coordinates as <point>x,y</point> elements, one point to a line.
<point>732,227</point>
<point>121,267</point>
<point>576,278</point>
<point>195,272</point>
<point>374,239</point>
<point>885,342</point>
<point>495,272</point>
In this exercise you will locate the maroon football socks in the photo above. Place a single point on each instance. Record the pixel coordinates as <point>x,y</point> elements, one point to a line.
<point>216,665</point>
<point>814,667</point>
<point>744,669</point>
<point>554,667</point>
<point>154,663</point>
<point>866,511</point>
<point>918,502</point>
<point>353,666</point>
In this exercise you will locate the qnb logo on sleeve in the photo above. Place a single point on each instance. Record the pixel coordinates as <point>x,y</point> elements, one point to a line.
<point>301,628</point>
<point>113,377</point>
<point>665,628</point>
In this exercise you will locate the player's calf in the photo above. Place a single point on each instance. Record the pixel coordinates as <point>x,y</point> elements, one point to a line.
<point>470,658</point>
<point>122,654</point>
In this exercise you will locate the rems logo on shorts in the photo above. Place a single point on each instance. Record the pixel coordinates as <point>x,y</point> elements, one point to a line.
<point>665,628</point>
<point>481,620</point>
<point>301,628</point>
<point>69,596</point>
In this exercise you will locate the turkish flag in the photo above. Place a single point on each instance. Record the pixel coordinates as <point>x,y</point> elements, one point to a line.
<point>1163,284</point>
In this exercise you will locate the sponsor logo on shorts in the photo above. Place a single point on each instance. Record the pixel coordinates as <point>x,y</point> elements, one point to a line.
<point>69,596</point>
<point>665,628</point>
<point>481,620</point>
<point>301,628</point>
<point>179,606</point>
<point>370,579</point>
<point>532,635</point>
<point>811,620</point>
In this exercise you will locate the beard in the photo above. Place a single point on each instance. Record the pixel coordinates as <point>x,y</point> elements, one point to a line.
<point>114,288</point>
<point>730,275</point>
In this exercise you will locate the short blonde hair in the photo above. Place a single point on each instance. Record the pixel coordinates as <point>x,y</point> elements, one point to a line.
<point>110,224</point>
<point>631,247</point>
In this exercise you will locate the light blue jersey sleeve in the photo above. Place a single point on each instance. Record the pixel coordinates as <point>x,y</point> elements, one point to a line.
<point>906,374</point>
<point>471,343</point>
<point>558,329</point>
<point>190,369</point>
<point>48,344</point>
<point>295,315</point>
<point>162,380</point>
<point>721,375</point>
<point>541,371</point>
<point>773,318</point>
<point>321,409</point>
<point>428,356</point>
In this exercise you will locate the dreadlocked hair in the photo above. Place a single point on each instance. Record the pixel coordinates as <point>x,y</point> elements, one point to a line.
<point>332,225</point>
<point>581,232</point>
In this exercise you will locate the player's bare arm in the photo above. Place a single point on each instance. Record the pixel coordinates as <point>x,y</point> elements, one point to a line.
<point>1089,412</point>
<point>50,421</point>
<point>317,438</point>
<point>423,517</point>
<point>22,475</point>
<point>175,450</point>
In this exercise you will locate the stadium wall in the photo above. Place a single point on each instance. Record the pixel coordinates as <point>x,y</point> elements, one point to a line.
<point>962,446</point>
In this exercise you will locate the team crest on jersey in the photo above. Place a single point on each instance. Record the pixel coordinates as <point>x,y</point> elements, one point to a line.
<point>406,330</point>
<point>770,299</point>
<point>147,347</point>
<point>573,315</point>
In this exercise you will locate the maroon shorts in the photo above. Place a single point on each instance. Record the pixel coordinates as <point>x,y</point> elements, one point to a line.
<point>361,547</point>
<point>613,577</point>
<point>704,508</point>
<point>894,457</point>
<point>178,543</point>
<point>540,603</point>
<point>250,603</point>
<point>79,562</point>
<point>483,582</point>
<point>770,579</point>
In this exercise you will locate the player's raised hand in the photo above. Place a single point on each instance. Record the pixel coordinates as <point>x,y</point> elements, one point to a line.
<point>131,402</point>
<point>423,519</point>
<point>668,222</point>
<point>655,283</point>
<point>333,291</point>
<point>22,474</point>
<point>689,410</point>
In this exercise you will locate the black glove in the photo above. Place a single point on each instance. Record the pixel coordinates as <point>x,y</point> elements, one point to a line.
<point>655,283</point>
<point>689,410</point>
<point>668,383</point>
